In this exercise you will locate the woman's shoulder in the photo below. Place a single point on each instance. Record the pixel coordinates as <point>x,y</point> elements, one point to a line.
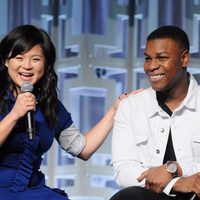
<point>63,114</point>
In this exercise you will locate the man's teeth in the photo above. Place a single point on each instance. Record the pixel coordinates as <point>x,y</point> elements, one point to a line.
<point>156,76</point>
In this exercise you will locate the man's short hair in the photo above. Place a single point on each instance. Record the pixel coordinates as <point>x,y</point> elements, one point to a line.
<point>172,32</point>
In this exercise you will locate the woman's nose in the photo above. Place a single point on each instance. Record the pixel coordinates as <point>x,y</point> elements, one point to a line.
<point>26,64</point>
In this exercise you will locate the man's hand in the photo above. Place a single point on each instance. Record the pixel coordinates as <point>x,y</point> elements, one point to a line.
<point>188,184</point>
<point>156,178</point>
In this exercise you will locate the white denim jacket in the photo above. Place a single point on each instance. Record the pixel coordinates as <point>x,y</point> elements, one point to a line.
<point>141,130</point>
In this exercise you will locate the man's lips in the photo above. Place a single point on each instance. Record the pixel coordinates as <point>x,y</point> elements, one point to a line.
<point>156,77</point>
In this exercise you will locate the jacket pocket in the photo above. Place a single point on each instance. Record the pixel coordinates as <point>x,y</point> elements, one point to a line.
<point>141,139</point>
<point>196,147</point>
<point>141,142</point>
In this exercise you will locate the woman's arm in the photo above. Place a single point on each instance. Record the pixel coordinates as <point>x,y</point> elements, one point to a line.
<point>24,103</point>
<point>83,146</point>
<point>6,126</point>
<point>96,136</point>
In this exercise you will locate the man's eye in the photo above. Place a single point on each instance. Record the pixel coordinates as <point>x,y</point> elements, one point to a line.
<point>162,58</point>
<point>147,58</point>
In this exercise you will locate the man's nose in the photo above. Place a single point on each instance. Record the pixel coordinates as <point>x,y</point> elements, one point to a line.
<point>153,65</point>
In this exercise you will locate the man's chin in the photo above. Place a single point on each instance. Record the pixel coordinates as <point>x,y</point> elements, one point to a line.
<point>157,89</point>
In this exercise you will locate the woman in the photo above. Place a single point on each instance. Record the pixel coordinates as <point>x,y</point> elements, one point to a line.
<point>28,55</point>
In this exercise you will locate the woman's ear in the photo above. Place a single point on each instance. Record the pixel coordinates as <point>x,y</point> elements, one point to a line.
<point>6,63</point>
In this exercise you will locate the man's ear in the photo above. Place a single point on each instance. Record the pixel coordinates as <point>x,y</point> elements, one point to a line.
<point>185,58</point>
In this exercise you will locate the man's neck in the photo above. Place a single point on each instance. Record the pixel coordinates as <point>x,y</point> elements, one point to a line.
<point>175,96</point>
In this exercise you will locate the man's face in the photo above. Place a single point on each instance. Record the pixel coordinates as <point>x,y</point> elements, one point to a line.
<point>164,63</point>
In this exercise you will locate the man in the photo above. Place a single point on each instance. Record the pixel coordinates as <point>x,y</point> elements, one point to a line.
<point>156,134</point>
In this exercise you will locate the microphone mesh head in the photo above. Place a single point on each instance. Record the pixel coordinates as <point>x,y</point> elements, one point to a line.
<point>27,87</point>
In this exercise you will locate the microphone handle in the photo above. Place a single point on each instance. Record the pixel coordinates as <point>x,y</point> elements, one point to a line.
<point>30,125</point>
<point>193,197</point>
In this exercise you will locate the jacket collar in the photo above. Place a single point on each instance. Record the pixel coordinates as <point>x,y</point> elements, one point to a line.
<point>189,101</point>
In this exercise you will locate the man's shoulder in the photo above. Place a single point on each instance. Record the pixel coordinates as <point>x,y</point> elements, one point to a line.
<point>144,94</point>
<point>141,98</point>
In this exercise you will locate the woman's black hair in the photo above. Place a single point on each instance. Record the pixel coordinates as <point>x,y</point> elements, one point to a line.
<point>20,40</point>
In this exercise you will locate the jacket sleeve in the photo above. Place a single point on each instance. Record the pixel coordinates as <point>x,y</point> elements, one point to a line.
<point>126,161</point>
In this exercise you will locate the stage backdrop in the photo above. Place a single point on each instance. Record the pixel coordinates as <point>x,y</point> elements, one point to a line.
<point>100,46</point>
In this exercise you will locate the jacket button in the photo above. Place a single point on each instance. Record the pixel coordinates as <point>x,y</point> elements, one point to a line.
<point>162,130</point>
<point>157,151</point>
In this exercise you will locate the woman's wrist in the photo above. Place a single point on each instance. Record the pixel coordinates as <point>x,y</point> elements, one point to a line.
<point>112,110</point>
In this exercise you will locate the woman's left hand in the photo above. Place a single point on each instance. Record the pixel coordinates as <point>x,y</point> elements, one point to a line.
<point>125,95</point>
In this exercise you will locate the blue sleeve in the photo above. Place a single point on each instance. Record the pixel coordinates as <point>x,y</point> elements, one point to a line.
<point>64,118</point>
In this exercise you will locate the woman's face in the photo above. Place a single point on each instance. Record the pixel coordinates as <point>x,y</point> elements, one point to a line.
<point>27,67</point>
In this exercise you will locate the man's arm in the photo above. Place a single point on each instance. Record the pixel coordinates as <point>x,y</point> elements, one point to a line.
<point>158,178</point>
<point>125,158</point>
<point>188,184</point>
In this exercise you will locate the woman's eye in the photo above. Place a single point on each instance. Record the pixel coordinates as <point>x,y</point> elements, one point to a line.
<point>18,58</point>
<point>36,59</point>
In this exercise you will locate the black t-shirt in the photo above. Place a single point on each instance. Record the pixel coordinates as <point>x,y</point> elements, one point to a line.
<point>169,152</point>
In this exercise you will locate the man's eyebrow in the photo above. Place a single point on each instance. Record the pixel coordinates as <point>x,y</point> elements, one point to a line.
<point>157,54</point>
<point>145,54</point>
<point>162,54</point>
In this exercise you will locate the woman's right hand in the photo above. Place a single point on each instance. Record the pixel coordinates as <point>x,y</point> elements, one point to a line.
<point>24,103</point>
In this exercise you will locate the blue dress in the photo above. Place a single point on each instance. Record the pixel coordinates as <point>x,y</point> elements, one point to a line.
<point>20,159</point>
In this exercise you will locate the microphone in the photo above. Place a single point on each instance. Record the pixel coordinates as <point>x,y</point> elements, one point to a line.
<point>30,123</point>
<point>193,197</point>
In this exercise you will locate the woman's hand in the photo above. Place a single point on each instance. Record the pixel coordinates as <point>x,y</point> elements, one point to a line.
<point>125,95</point>
<point>24,103</point>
